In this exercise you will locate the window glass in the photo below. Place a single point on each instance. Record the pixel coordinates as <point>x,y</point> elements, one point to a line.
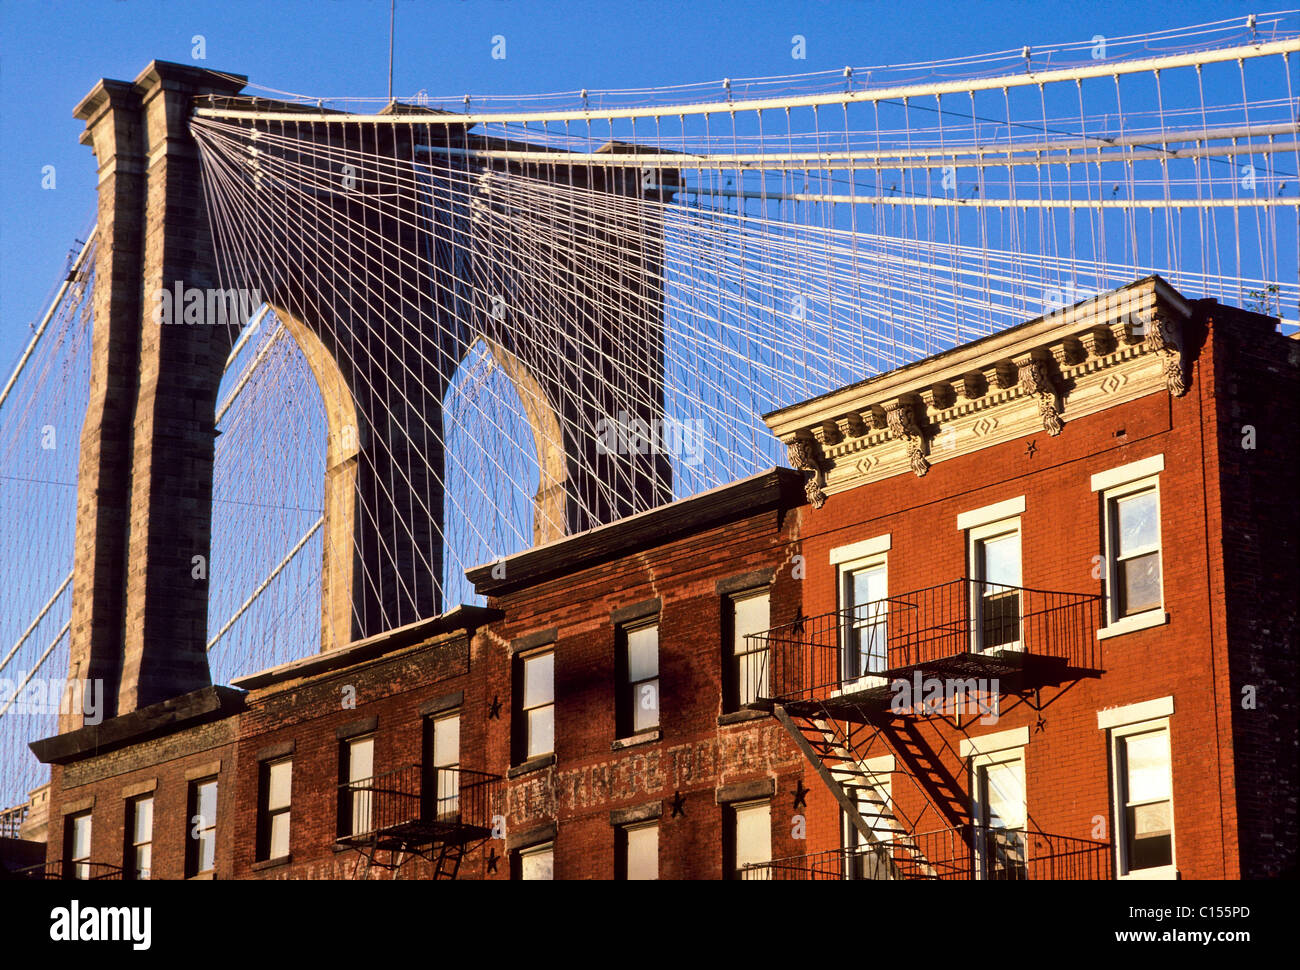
<point>444,750</point>
<point>866,592</point>
<point>643,852</point>
<point>81,837</point>
<point>539,680</point>
<point>753,833</point>
<point>278,784</point>
<point>203,825</point>
<point>446,741</point>
<point>537,863</point>
<point>1148,807</point>
<point>361,759</point>
<point>643,677</point>
<point>541,731</point>
<point>643,653</point>
<point>361,769</point>
<point>750,615</point>
<point>140,861</point>
<point>1139,529</point>
<point>279,836</point>
<point>1135,551</point>
<point>1001,555</point>
<point>142,821</point>
<point>1004,794</point>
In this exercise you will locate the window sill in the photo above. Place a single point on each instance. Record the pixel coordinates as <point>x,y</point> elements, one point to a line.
<point>645,737</point>
<point>740,717</point>
<point>207,876</point>
<point>532,764</point>
<point>1162,872</point>
<point>1131,624</point>
<point>282,860</point>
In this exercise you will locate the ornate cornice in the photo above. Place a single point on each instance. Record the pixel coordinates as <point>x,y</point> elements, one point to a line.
<point>902,425</point>
<point>1036,377</point>
<point>1165,337</point>
<point>804,457</point>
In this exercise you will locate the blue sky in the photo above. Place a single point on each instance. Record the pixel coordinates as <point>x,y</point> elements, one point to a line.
<point>52,53</point>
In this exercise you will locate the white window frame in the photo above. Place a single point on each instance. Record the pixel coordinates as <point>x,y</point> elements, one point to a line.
<point>736,808</point>
<point>843,575</point>
<point>526,735</point>
<point>631,691</point>
<point>1117,483</point>
<point>360,799</point>
<point>80,864</point>
<point>976,534</point>
<point>267,813</point>
<point>445,789</point>
<point>133,817</point>
<point>981,757</point>
<point>626,846</point>
<point>1116,733</point>
<point>543,848</point>
<point>207,832</point>
<point>736,659</point>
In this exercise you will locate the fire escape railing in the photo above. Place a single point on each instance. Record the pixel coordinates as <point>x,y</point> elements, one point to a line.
<point>60,869</point>
<point>966,852</point>
<point>891,637</point>
<point>416,805</point>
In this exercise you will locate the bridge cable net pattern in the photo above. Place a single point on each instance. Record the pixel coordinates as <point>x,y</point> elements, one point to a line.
<point>775,239</point>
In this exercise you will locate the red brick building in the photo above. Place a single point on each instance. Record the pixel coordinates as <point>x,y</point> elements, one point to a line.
<point>1075,540</point>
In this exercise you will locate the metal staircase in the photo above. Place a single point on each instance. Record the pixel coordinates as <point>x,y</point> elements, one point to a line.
<point>838,756</point>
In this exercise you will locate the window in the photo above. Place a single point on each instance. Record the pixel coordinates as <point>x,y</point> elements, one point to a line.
<point>356,788</point>
<point>139,838</point>
<point>638,708</point>
<point>749,614</point>
<point>201,846</point>
<point>537,705</point>
<point>76,841</point>
<point>1144,800</point>
<point>1133,550</point>
<point>999,782</point>
<point>537,862</point>
<point>274,786</point>
<point>442,764</point>
<point>1130,511</point>
<point>750,838</point>
<point>865,612</point>
<point>638,851</point>
<point>995,590</point>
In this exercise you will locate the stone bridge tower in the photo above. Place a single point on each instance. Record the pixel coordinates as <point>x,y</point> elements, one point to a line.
<point>383,334</point>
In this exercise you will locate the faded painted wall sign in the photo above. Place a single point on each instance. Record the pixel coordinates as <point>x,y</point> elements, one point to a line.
<point>574,791</point>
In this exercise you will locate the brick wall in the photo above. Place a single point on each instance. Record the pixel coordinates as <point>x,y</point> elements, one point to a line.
<point>1252,410</point>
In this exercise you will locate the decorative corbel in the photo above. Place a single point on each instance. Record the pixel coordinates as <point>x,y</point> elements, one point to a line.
<point>1164,337</point>
<point>1036,379</point>
<point>901,419</point>
<point>803,454</point>
<point>1098,341</point>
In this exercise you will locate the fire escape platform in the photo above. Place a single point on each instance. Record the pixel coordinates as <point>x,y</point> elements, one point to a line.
<point>416,833</point>
<point>994,671</point>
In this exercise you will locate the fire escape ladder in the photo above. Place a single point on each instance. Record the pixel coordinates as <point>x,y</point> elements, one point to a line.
<point>831,753</point>
<point>447,865</point>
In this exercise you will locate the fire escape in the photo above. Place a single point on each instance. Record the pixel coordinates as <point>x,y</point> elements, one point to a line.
<point>438,815</point>
<point>852,685</point>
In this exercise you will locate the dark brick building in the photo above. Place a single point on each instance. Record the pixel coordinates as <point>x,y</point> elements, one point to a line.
<point>1025,609</point>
